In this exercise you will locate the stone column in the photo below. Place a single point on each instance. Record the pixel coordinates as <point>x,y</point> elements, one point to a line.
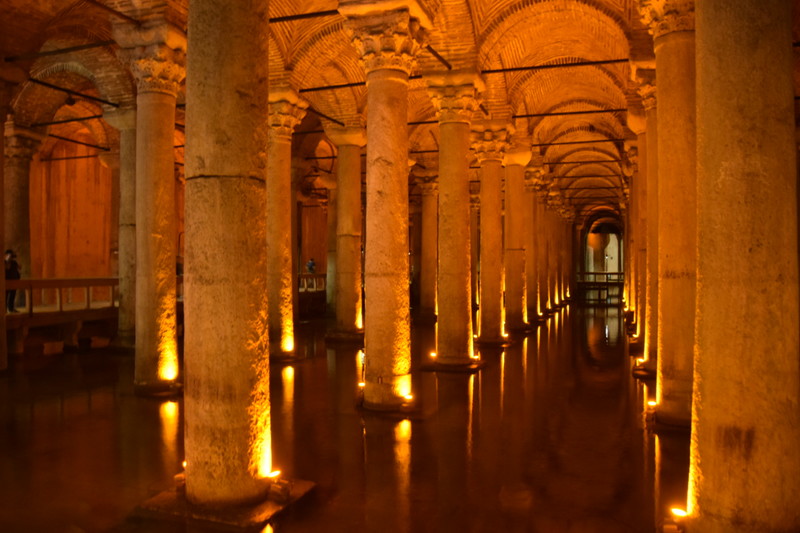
<point>455,97</point>
<point>125,122</point>
<point>387,44</point>
<point>648,94</point>
<point>541,245</point>
<point>157,59</point>
<point>745,447</point>
<point>531,241</point>
<point>286,110</point>
<point>551,220</point>
<point>331,261</point>
<point>5,98</point>
<point>672,25</point>
<point>638,125</point>
<point>515,242</point>
<point>489,143</point>
<point>349,317</point>
<point>428,263</point>
<point>228,443</point>
<point>474,242</point>
<point>20,146</point>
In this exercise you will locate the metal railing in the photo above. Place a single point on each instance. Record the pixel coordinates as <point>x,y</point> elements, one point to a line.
<point>65,294</point>
<point>600,277</point>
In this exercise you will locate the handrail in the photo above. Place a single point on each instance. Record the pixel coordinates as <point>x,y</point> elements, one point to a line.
<point>600,277</point>
<point>59,285</point>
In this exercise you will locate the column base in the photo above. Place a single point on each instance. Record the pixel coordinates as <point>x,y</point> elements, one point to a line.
<point>635,347</point>
<point>493,341</point>
<point>279,356</point>
<point>475,365</point>
<point>659,422</point>
<point>159,389</point>
<point>172,505</point>
<point>345,337</point>
<point>520,329</point>
<point>425,316</point>
<point>644,372</point>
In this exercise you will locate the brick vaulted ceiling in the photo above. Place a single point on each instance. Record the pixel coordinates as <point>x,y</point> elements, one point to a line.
<point>316,52</point>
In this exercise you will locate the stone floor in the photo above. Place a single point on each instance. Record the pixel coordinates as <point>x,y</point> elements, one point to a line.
<point>548,438</point>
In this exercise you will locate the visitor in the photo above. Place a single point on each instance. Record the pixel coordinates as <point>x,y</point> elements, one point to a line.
<point>311,266</point>
<point>12,272</point>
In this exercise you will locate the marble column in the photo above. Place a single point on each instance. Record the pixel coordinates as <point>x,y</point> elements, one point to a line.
<point>386,42</point>
<point>489,143</point>
<point>428,262</point>
<point>286,110</point>
<point>672,25</point>
<point>5,98</point>
<point>541,245</point>
<point>331,261</point>
<point>531,242</point>
<point>125,122</point>
<point>515,242</point>
<point>349,317</point>
<point>648,93</point>
<point>745,447</point>
<point>20,146</point>
<point>157,58</point>
<point>455,97</point>
<point>228,443</point>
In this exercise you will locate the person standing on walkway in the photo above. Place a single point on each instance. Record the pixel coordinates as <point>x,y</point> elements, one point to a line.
<point>12,272</point>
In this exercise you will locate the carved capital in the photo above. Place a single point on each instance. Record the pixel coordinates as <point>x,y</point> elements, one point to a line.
<point>428,187</point>
<point>20,144</point>
<point>286,110</point>
<point>347,136</point>
<point>517,155</point>
<point>388,40</point>
<point>667,16</point>
<point>455,95</point>
<point>120,119</point>
<point>490,140</point>
<point>157,68</point>
<point>474,202</point>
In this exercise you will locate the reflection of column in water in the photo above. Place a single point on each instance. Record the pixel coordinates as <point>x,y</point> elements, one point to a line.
<point>347,372</point>
<point>386,491</point>
<point>671,473</point>
<point>169,413</point>
<point>453,431</point>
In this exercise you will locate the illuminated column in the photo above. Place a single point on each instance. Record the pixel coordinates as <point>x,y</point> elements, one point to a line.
<point>638,125</point>
<point>648,93</point>
<point>745,447</point>
<point>514,250</point>
<point>286,110</point>
<point>5,98</point>
<point>125,122</point>
<point>551,218</point>
<point>672,25</point>
<point>387,44</point>
<point>489,143</point>
<point>331,261</point>
<point>349,319</point>
<point>157,59</point>
<point>455,97</point>
<point>227,437</point>
<point>474,241</point>
<point>531,242</point>
<point>20,147</point>
<point>428,267</point>
<point>541,244</point>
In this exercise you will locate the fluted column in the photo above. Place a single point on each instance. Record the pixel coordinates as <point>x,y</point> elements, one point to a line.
<point>455,97</point>
<point>349,317</point>
<point>125,122</point>
<point>20,146</point>
<point>514,241</point>
<point>386,42</point>
<point>228,442</point>
<point>745,448</point>
<point>672,25</point>
<point>648,94</point>
<point>157,58</point>
<point>286,110</point>
<point>428,263</point>
<point>489,143</point>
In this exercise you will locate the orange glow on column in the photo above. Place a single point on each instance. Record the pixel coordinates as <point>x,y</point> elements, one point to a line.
<point>402,387</point>
<point>261,423</point>
<point>359,316</point>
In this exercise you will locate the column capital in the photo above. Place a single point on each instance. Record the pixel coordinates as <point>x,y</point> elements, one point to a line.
<point>347,135</point>
<point>490,140</point>
<point>21,143</point>
<point>455,94</point>
<point>121,119</point>
<point>427,182</point>
<point>647,88</point>
<point>667,16</point>
<point>110,160</point>
<point>386,40</point>
<point>517,155</point>
<point>157,68</point>
<point>286,110</point>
